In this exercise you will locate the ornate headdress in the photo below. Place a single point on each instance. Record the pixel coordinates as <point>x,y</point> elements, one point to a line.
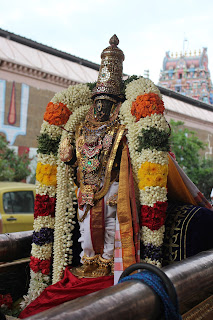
<point>111,71</point>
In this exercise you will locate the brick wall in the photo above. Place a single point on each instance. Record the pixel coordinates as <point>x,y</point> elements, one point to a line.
<point>37,102</point>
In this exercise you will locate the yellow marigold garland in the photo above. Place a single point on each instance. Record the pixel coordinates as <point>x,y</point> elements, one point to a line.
<point>46,174</point>
<point>152,175</point>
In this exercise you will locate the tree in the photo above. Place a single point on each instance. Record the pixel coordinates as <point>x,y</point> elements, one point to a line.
<point>12,166</point>
<point>187,147</point>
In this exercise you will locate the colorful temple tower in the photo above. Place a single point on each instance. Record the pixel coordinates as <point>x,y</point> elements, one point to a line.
<point>188,74</point>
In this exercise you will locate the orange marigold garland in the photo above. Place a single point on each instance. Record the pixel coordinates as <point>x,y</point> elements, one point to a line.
<point>147,104</point>
<point>56,113</point>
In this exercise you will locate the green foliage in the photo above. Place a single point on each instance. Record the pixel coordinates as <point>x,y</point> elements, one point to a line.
<point>154,139</point>
<point>127,81</point>
<point>187,147</point>
<point>203,177</point>
<point>12,166</point>
<point>91,85</point>
<point>47,145</point>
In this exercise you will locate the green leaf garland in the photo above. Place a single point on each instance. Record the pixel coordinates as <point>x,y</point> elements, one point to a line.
<point>46,145</point>
<point>154,139</point>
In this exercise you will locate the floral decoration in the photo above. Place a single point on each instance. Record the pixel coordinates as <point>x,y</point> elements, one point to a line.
<point>6,301</point>
<point>48,145</point>
<point>40,265</point>
<point>154,217</point>
<point>46,174</point>
<point>150,195</point>
<point>74,97</point>
<point>147,104</point>
<point>44,206</point>
<point>148,134</point>
<point>154,139</point>
<point>139,87</point>
<point>43,222</point>
<point>45,235</point>
<point>152,174</point>
<point>66,199</point>
<point>56,113</point>
<point>53,178</point>
<point>151,251</point>
<point>56,192</point>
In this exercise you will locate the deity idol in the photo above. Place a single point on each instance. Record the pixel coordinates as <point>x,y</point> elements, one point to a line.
<point>97,155</point>
<point>103,178</point>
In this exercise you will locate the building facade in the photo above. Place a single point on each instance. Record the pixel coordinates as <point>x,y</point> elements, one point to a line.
<point>31,73</point>
<point>188,75</point>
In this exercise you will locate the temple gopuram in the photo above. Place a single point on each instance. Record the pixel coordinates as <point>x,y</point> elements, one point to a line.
<point>188,75</point>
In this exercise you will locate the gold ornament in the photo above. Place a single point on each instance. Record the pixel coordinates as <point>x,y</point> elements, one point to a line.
<point>111,70</point>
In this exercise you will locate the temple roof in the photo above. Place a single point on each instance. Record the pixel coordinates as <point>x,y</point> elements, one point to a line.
<point>29,53</point>
<point>191,61</point>
<point>187,106</point>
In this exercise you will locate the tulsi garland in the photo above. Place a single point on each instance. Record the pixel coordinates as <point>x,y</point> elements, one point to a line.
<point>46,145</point>
<point>153,139</point>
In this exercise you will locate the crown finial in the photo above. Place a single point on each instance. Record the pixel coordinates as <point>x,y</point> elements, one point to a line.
<point>114,41</point>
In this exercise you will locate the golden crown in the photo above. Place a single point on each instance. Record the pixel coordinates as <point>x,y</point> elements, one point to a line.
<point>111,70</point>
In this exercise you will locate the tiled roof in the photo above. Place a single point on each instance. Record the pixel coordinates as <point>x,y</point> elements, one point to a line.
<point>37,56</point>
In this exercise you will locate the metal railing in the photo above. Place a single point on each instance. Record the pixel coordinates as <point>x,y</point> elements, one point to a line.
<point>192,278</point>
<point>15,245</point>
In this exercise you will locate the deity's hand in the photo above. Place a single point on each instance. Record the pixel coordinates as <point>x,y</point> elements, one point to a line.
<point>66,150</point>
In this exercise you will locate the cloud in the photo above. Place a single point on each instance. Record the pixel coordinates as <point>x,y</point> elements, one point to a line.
<point>83,27</point>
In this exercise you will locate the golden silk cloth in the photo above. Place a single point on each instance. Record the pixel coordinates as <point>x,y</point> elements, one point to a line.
<point>177,190</point>
<point>124,212</point>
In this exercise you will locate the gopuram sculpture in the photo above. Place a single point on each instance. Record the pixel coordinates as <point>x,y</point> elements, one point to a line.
<point>103,178</point>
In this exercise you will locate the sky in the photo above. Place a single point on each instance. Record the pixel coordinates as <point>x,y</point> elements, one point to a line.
<point>146,29</point>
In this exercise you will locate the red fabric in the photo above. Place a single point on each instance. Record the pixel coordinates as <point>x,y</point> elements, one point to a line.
<point>69,288</point>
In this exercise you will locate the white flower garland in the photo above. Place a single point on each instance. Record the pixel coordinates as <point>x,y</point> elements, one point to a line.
<point>156,121</point>
<point>42,252</point>
<point>64,204</point>
<point>43,222</point>
<point>155,237</point>
<point>150,195</point>
<point>42,189</point>
<point>53,131</point>
<point>38,282</point>
<point>139,87</point>
<point>47,159</point>
<point>153,262</point>
<point>154,156</point>
<point>74,97</point>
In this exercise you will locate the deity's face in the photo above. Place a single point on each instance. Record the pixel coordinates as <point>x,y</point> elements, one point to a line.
<point>102,109</point>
